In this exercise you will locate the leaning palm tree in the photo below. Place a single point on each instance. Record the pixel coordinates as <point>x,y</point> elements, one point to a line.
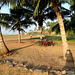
<point>3,47</point>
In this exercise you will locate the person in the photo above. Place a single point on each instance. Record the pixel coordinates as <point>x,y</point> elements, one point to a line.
<point>45,40</point>
<point>31,36</point>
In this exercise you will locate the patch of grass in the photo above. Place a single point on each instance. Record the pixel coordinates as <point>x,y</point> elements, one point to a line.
<point>58,38</point>
<point>10,36</point>
<point>55,38</point>
<point>71,39</point>
<point>36,38</point>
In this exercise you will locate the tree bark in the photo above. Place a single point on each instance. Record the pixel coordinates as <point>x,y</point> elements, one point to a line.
<point>19,37</point>
<point>62,29</point>
<point>41,33</point>
<point>3,47</point>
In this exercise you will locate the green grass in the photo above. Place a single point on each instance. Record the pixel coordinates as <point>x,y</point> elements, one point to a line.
<point>13,36</point>
<point>36,38</point>
<point>10,36</point>
<point>71,39</point>
<point>58,38</point>
<point>55,38</point>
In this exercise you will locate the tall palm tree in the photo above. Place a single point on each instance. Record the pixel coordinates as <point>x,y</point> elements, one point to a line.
<point>19,19</point>
<point>43,13</point>
<point>56,4</point>
<point>62,29</point>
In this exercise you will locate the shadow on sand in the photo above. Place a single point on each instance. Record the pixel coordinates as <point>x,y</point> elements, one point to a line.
<point>69,66</point>
<point>21,48</point>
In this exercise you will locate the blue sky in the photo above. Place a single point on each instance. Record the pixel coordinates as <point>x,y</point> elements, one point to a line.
<point>5,9</point>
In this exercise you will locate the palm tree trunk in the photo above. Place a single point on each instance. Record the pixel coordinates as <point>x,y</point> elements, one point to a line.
<point>3,47</point>
<point>41,33</point>
<point>19,37</point>
<point>62,29</point>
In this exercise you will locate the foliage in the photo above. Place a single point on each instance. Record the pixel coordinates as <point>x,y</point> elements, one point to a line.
<point>72,5</point>
<point>69,27</point>
<point>18,19</point>
<point>46,43</point>
<point>51,25</point>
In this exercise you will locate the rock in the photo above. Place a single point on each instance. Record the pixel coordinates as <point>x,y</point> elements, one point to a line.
<point>70,72</point>
<point>58,73</point>
<point>48,67</point>
<point>50,73</point>
<point>29,66</point>
<point>4,61</point>
<point>1,63</point>
<point>44,68</point>
<point>15,63</point>
<point>38,71</point>
<point>24,65</point>
<point>19,65</point>
<point>30,70</point>
<point>53,71</point>
<point>9,63</point>
<point>45,73</point>
<point>24,68</point>
<point>64,72</point>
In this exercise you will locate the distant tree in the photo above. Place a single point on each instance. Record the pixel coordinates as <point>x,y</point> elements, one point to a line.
<point>69,27</point>
<point>19,19</point>
<point>51,25</point>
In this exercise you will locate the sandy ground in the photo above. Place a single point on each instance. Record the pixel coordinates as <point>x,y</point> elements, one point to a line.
<point>31,53</point>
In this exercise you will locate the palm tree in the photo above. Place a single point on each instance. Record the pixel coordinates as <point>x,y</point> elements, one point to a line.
<point>43,14</point>
<point>3,47</point>
<point>57,6</point>
<point>19,19</point>
<point>72,5</point>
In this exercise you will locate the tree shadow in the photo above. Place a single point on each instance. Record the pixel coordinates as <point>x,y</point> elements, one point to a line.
<point>69,66</point>
<point>21,48</point>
